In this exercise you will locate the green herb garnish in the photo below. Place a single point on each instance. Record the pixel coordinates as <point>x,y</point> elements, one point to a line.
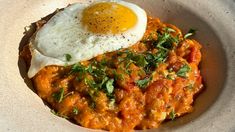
<point>98,73</point>
<point>162,38</point>
<point>190,86</point>
<point>165,41</point>
<point>77,68</point>
<point>75,111</point>
<point>172,115</point>
<point>154,59</point>
<point>170,77</point>
<point>104,62</point>
<point>111,103</point>
<point>92,104</point>
<point>137,59</point>
<point>182,72</point>
<point>68,57</point>
<point>58,114</point>
<point>58,96</point>
<point>191,32</point>
<point>140,60</point>
<point>106,85</point>
<point>89,69</point>
<point>129,63</point>
<point>91,83</point>
<point>144,82</point>
<point>55,113</point>
<point>168,29</point>
<point>104,80</point>
<point>97,70</point>
<point>117,76</point>
<point>109,86</point>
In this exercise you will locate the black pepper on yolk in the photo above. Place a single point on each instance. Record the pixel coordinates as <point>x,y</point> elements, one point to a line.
<point>108,17</point>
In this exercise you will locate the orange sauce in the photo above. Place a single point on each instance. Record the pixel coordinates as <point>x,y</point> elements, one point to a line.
<point>140,99</point>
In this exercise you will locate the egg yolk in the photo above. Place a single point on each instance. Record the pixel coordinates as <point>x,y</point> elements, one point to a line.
<point>108,17</point>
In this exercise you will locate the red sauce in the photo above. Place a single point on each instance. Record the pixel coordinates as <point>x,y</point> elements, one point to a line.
<point>134,88</point>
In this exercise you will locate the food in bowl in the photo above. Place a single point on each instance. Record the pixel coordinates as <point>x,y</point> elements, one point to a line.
<point>107,65</point>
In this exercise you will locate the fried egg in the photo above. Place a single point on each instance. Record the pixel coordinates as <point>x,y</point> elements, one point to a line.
<point>84,30</point>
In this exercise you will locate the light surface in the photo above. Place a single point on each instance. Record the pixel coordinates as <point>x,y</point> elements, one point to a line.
<point>22,110</point>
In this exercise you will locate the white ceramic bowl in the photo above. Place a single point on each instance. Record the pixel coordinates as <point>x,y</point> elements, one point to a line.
<point>22,110</point>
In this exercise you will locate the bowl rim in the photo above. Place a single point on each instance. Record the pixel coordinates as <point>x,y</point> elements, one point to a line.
<point>14,113</point>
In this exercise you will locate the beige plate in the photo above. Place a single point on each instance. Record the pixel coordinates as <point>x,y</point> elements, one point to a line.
<point>22,110</point>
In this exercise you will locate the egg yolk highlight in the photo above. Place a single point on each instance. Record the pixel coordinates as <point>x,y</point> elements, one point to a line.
<point>108,17</point>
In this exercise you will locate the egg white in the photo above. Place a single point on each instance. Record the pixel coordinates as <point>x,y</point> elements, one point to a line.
<point>65,34</point>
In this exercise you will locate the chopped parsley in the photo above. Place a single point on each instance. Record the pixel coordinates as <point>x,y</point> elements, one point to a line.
<point>191,32</point>
<point>182,72</point>
<point>89,69</point>
<point>161,56</point>
<point>58,96</point>
<point>190,86</point>
<point>106,85</point>
<point>75,111</point>
<point>104,80</point>
<point>118,76</point>
<point>109,86</point>
<point>129,63</point>
<point>162,38</point>
<point>154,59</point>
<point>77,68</point>
<point>165,40</point>
<point>97,70</point>
<point>170,76</point>
<point>172,115</point>
<point>140,60</point>
<point>55,113</point>
<point>92,104</point>
<point>68,57</point>
<point>98,73</point>
<point>120,59</point>
<point>58,114</point>
<point>111,103</point>
<point>168,29</point>
<point>79,78</point>
<point>104,62</point>
<point>68,94</point>
<point>144,82</point>
<point>164,44</point>
<point>91,83</point>
<point>148,62</point>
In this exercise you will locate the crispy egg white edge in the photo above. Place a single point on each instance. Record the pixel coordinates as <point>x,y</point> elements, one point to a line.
<point>40,60</point>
